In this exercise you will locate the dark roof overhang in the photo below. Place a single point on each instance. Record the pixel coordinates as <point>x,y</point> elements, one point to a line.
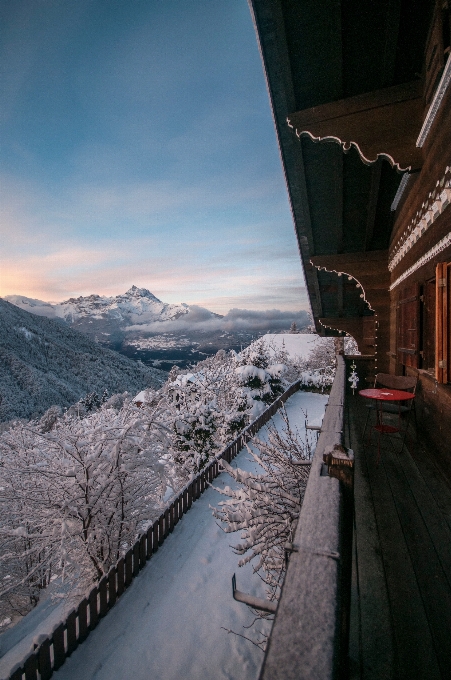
<point>346,93</point>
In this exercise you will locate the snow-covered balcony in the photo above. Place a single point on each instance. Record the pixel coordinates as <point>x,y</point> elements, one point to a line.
<point>310,628</point>
<point>379,606</point>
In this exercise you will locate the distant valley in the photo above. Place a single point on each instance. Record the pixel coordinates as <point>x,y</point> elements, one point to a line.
<point>44,362</point>
<point>140,326</point>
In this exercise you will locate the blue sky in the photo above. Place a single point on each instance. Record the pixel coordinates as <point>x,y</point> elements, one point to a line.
<point>137,147</point>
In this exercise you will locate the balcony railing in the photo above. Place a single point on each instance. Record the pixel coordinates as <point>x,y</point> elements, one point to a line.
<point>309,638</point>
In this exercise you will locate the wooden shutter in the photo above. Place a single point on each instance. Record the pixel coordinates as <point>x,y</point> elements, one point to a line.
<point>408,326</point>
<point>442,322</point>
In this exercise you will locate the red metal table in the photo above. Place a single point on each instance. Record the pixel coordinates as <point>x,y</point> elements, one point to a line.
<point>381,395</point>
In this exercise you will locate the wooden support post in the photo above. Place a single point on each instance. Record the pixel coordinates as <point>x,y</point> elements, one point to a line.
<point>112,587</point>
<point>82,613</point>
<point>59,653</point>
<point>120,576</point>
<point>103,595</point>
<point>31,667</point>
<point>71,627</point>
<point>128,567</point>
<point>44,660</point>
<point>155,536</point>
<point>93,611</point>
<point>136,565</point>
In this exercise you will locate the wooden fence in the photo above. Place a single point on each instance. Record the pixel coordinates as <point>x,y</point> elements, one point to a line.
<point>52,652</point>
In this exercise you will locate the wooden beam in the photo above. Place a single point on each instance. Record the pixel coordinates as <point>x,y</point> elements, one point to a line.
<point>372,203</point>
<point>356,264</point>
<point>371,271</point>
<point>384,122</point>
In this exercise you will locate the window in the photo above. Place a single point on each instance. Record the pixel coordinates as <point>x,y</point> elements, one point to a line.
<point>428,326</point>
<point>408,326</point>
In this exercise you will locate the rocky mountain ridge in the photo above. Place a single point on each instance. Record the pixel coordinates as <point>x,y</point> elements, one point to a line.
<point>137,305</point>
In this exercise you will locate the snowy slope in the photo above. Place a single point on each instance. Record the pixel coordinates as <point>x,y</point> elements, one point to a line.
<point>44,362</point>
<point>170,623</point>
<point>296,344</point>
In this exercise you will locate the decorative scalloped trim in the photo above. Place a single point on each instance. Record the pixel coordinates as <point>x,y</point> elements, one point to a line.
<point>444,243</point>
<point>350,278</point>
<point>346,146</point>
<point>437,201</point>
<point>341,330</point>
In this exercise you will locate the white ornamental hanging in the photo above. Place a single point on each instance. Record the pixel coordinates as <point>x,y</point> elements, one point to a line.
<point>353,378</point>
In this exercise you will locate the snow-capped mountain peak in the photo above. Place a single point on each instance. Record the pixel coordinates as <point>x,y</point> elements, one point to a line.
<point>135,292</point>
<point>135,306</point>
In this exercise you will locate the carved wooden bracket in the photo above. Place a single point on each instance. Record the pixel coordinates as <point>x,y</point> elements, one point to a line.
<point>370,269</point>
<point>380,123</point>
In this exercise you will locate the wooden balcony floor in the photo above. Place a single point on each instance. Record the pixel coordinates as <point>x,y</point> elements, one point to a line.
<point>401,588</point>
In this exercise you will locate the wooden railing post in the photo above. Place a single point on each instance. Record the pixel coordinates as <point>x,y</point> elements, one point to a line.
<point>31,667</point>
<point>59,653</point>
<point>128,567</point>
<point>120,567</point>
<point>155,536</point>
<point>136,558</point>
<point>149,542</point>
<point>103,596</point>
<point>166,523</point>
<point>93,611</point>
<point>45,662</point>
<point>82,613</point>
<point>142,550</point>
<point>112,587</point>
<point>71,627</point>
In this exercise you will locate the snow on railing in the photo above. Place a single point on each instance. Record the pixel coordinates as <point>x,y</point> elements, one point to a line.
<point>50,652</point>
<point>309,638</point>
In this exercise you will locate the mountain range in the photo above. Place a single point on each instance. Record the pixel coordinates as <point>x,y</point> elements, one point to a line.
<point>45,362</point>
<point>136,306</point>
<point>140,326</point>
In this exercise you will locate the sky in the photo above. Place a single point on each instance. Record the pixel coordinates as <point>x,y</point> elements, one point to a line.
<point>137,147</point>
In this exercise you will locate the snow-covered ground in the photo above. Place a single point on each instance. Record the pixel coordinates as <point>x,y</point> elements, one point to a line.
<point>170,622</point>
<point>296,344</point>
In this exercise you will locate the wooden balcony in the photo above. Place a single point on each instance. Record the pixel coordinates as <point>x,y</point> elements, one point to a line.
<point>400,602</point>
<point>401,582</point>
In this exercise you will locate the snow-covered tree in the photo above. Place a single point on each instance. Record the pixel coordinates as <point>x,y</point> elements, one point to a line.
<point>293,328</point>
<point>73,499</point>
<point>49,419</point>
<point>265,507</point>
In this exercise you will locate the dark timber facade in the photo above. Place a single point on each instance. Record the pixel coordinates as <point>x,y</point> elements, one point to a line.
<point>361,98</point>
<point>361,103</point>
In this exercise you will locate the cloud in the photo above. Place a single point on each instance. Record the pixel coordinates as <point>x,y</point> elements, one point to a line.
<point>199,319</point>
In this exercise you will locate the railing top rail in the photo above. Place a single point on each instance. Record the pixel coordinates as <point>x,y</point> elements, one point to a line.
<point>303,642</point>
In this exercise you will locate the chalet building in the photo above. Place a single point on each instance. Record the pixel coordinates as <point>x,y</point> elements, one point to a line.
<point>361,99</point>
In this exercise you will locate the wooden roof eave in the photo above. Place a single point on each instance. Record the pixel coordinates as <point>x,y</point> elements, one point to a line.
<point>380,123</point>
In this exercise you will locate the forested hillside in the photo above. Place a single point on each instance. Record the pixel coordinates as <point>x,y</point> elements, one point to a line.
<point>44,362</point>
